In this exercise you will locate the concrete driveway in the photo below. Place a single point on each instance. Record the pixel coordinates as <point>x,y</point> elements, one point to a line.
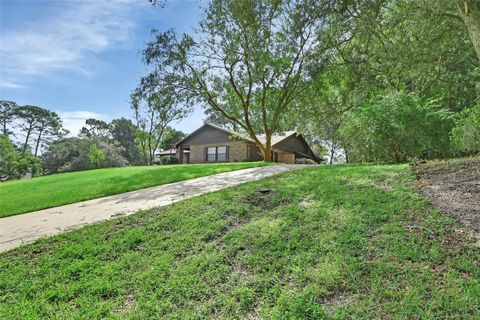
<point>27,227</point>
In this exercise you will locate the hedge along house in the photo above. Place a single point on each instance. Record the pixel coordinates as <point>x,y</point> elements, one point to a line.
<point>210,143</point>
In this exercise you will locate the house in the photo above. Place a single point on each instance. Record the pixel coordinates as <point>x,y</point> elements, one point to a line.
<point>211,143</point>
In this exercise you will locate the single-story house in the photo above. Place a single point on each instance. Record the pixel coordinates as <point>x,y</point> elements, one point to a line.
<point>211,143</point>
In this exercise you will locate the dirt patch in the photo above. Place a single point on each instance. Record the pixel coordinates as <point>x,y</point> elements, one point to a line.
<point>453,187</point>
<point>266,200</point>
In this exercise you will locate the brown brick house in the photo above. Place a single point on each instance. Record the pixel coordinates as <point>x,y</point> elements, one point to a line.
<point>210,143</point>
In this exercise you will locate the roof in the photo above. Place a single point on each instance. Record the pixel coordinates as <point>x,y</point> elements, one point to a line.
<point>169,152</point>
<point>276,138</point>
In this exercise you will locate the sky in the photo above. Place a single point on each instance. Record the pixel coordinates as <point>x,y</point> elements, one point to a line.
<point>82,58</point>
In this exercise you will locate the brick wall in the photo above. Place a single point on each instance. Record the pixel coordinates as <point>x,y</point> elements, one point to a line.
<point>285,157</point>
<point>237,151</point>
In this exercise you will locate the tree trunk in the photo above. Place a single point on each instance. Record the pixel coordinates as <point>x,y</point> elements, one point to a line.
<point>4,128</point>
<point>38,141</point>
<point>470,14</point>
<point>332,152</point>
<point>26,139</point>
<point>267,155</point>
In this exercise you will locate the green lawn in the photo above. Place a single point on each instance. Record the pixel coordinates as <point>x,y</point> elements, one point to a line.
<point>54,190</point>
<point>340,242</point>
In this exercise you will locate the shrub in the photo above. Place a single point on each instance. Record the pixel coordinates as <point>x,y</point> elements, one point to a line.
<point>73,154</point>
<point>395,127</point>
<point>466,133</point>
<point>13,163</point>
<point>168,160</point>
<point>96,155</point>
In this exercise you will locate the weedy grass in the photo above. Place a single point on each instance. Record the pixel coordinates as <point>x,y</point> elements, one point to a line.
<point>54,190</point>
<point>331,242</point>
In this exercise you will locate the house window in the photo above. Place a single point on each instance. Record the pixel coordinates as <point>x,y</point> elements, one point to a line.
<point>211,154</point>
<point>216,154</point>
<point>221,153</point>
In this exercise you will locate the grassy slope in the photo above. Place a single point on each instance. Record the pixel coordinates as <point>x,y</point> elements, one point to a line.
<point>343,241</point>
<point>50,191</point>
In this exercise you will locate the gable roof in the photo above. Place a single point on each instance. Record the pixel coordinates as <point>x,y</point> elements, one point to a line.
<point>276,138</point>
<point>206,124</point>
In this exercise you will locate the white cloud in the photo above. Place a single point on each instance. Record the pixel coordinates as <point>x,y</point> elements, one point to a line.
<point>65,39</point>
<point>73,121</point>
<point>11,85</point>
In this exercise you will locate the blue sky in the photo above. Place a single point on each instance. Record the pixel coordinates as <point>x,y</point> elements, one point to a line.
<point>82,59</point>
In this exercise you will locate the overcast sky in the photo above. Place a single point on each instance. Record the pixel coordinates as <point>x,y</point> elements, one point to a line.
<point>82,58</point>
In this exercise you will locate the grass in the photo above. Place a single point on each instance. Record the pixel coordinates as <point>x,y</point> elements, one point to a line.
<point>54,190</point>
<point>332,242</point>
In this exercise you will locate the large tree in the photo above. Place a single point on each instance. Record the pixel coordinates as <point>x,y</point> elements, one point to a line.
<point>154,111</point>
<point>49,127</point>
<point>8,113</point>
<point>171,137</point>
<point>246,61</point>
<point>397,48</point>
<point>96,129</point>
<point>123,131</point>
<point>38,124</point>
<point>469,12</point>
<point>414,46</point>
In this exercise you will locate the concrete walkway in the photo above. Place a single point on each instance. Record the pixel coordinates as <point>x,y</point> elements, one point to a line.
<point>24,228</point>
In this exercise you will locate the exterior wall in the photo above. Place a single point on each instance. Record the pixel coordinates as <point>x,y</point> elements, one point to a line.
<point>285,157</point>
<point>237,151</point>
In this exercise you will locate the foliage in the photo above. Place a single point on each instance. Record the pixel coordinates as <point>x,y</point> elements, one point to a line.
<point>96,156</point>
<point>362,244</point>
<point>216,118</point>
<point>171,137</point>
<point>154,112</point>
<point>466,133</point>
<point>247,60</point>
<point>61,153</point>
<point>39,122</point>
<point>396,127</point>
<point>411,46</point>
<point>14,163</point>
<point>95,129</point>
<point>168,160</point>
<point>50,191</point>
<point>123,132</point>
<point>73,154</point>
<point>8,113</point>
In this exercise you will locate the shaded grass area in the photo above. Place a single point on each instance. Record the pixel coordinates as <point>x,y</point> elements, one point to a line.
<point>54,190</point>
<point>335,242</point>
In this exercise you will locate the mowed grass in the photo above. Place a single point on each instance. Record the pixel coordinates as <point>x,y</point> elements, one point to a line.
<point>331,242</point>
<point>54,190</point>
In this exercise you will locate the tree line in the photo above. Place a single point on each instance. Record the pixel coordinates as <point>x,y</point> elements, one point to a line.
<point>28,130</point>
<point>379,80</point>
<point>374,81</point>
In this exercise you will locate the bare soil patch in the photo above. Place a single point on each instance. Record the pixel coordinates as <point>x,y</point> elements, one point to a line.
<point>453,187</point>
